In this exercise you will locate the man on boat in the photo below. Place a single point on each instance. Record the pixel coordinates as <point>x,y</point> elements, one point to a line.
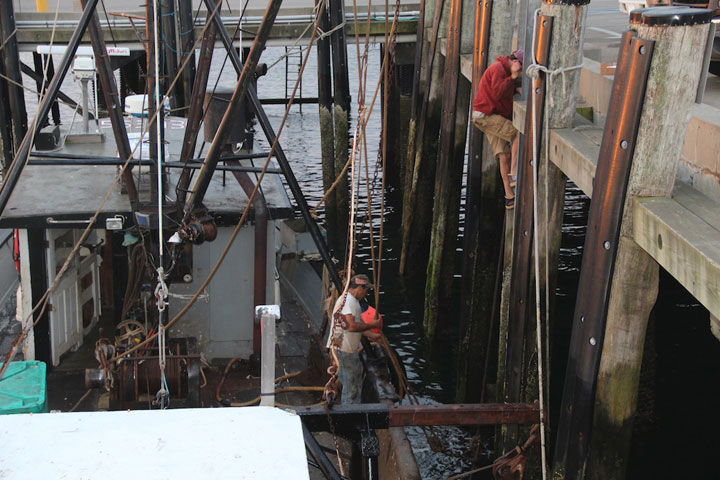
<point>492,113</point>
<point>345,335</point>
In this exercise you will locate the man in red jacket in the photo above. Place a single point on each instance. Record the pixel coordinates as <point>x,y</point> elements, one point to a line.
<point>492,113</point>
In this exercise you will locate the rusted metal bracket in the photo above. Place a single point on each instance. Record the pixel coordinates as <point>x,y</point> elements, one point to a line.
<point>523,232</point>
<point>382,416</point>
<point>603,233</point>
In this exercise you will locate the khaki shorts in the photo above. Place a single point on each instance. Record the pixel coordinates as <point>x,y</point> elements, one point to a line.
<point>498,129</point>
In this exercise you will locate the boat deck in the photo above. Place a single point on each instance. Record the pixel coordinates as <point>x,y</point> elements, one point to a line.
<point>40,195</point>
<point>295,334</point>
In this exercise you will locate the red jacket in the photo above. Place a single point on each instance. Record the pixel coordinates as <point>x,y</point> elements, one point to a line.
<point>495,92</point>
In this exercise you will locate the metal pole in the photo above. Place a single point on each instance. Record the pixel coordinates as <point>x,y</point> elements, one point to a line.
<point>13,174</point>
<point>5,122</point>
<point>195,113</point>
<point>186,42</point>
<point>112,101</point>
<point>280,154</point>
<point>168,14</point>
<point>85,116</point>
<point>324,464</point>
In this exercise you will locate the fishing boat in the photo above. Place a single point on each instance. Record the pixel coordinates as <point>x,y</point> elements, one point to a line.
<point>158,278</point>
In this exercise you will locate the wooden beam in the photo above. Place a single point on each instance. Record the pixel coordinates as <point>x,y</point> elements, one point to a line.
<point>681,234</point>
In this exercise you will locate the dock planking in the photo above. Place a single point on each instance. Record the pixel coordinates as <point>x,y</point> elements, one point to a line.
<point>688,221</point>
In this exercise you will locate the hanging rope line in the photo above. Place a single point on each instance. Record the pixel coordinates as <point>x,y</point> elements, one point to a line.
<point>533,71</point>
<point>161,290</point>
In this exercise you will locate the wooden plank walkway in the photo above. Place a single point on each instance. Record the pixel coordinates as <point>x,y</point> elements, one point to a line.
<point>680,232</point>
<point>37,28</point>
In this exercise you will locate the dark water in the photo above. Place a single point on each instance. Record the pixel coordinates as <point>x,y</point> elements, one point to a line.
<point>676,429</point>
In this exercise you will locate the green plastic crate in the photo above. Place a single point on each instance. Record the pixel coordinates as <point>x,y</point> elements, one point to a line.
<point>23,388</point>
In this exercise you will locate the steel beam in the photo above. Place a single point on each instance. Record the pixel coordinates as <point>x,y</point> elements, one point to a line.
<point>382,416</point>
<point>38,78</point>
<point>112,102</point>
<point>600,250</point>
<point>187,40</point>
<point>323,463</point>
<point>241,88</point>
<point>523,230</point>
<point>105,161</point>
<point>195,114</point>
<point>13,174</point>
<point>280,154</point>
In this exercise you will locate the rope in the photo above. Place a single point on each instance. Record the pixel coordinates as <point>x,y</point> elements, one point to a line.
<point>161,290</point>
<point>533,71</point>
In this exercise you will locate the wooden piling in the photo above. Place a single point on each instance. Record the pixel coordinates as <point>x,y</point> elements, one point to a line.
<point>400,105</point>
<point>566,51</point>
<point>11,63</point>
<point>448,176</point>
<point>484,222</point>
<point>422,131</point>
<point>665,118</point>
<point>341,118</point>
<point>561,93</point>
<point>327,136</point>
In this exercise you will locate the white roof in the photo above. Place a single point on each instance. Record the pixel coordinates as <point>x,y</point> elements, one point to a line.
<point>209,443</point>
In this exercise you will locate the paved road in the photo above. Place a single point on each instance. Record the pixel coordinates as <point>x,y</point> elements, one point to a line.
<point>604,27</point>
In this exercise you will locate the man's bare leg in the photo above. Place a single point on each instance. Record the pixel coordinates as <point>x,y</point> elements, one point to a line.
<point>504,161</point>
<point>514,152</point>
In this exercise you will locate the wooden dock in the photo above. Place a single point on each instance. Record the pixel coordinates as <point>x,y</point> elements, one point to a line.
<point>680,232</point>
<point>292,23</point>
